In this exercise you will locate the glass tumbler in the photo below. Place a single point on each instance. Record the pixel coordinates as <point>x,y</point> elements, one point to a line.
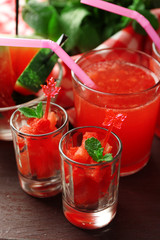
<point>37,155</point>
<point>156,55</point>
<point>90,191</point>
<point>126,82</point>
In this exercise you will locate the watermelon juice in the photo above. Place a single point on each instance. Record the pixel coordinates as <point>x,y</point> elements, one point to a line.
<point>36,142</point>
<point>90,188</point>
<point>12,63</point>
<point>127,82</point>
<point>156,55</point>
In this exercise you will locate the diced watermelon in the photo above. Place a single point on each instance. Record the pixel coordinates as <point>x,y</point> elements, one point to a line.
<point>81,155</point>
<point>88,135</point>
<point>86,192</point>
<point>107,148</point>
<point>43,153</point>
<point>71,152</point>
<point>39,125</point>
<point>23,164</point>
<point>45,160</point>
<point>92,182</point>
<point>53,120</point>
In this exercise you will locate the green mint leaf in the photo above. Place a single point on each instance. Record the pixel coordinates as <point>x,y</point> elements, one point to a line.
<point>28,112</point>
<point>98,153</point>
<point>38,15</point>
<point>32,112</point>
<point>55,28</point>
<point>39,110</point>
<point>95,150</point>
<point>88,36</point>
<point>108,157</point>
<point>84,27</point>
<point>92,145</point>
<point>71,20</point>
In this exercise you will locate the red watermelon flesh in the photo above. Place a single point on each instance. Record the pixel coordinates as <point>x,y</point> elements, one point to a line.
<point>90,183</point>
<point>20,57</point>
<point>13,62</point>
<point>6,78</point>
<point>41,158</point>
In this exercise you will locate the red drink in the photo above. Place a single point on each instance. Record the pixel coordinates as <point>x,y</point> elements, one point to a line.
<point>156,55</point>
<point>125,83</point>
<point>90,188</point>
<point>19,62</point>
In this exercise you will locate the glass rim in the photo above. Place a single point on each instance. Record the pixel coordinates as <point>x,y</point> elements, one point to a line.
<point>44,134</point>
<point>114,94</point>
<point>93,164</point>
<point>38,98</point>
<point>155,50</point>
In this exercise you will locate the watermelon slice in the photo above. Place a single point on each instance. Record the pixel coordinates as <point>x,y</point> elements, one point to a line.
<point>20,57</point>
<point>36,72</point>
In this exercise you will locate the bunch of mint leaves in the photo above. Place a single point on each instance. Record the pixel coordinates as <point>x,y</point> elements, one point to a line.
<point>86,26</point>
<point>95,150</point>
<point>36,112</point>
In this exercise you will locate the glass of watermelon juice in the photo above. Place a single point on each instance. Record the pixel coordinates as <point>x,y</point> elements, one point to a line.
<point>156,55</point>
<point>126,81</point>
<point>36,149</point>
<point>90,188</point>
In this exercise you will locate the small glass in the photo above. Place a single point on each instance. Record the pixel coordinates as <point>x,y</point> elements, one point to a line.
<point>37,156</point>
<point>90,191</point>
<point>156,55</point>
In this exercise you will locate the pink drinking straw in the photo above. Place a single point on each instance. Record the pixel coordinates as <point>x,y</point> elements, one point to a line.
<point>45,43</point>
<point>127,13</point>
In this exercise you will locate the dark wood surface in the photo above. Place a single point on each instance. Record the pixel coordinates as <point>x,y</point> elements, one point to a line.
<point>25,217</point>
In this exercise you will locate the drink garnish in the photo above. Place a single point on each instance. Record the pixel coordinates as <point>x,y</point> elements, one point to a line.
<point>32,112</point>
<point>38,69</point>
<point>95,150</point>
<point>50,91</point>
<point>113,120</point>
<point>93,145</point>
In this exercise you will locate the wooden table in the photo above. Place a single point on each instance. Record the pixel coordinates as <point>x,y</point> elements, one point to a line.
<point>25,217</point>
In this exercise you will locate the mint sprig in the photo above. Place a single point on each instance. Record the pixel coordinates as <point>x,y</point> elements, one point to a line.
<point>95,150</point>
<point>86,27</point>
<point>32,112</point>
